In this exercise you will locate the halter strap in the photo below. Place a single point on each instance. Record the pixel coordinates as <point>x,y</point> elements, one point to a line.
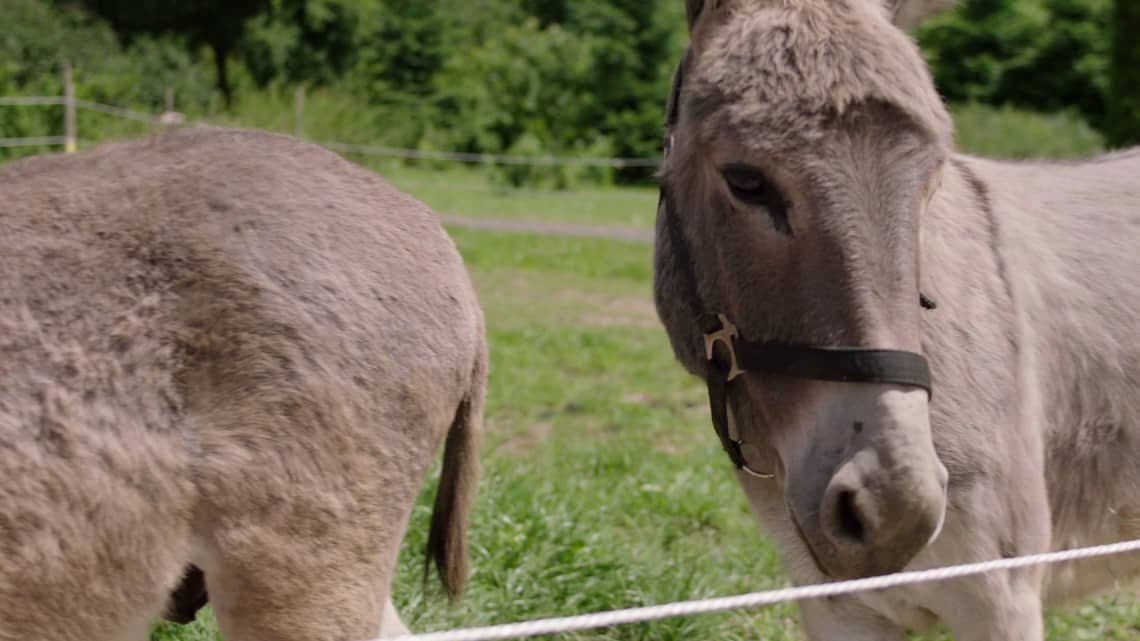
<point>839,364</point>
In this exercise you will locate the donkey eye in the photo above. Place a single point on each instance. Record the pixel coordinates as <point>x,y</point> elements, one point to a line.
<point>747,184</point>
<point>751,186</point>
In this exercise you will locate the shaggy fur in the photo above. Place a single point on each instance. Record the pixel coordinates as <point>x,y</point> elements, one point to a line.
<point>1035,346</point>
<point>233,350</point>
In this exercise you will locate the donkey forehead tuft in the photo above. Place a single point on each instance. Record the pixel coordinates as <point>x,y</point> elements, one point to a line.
<point>787,66</point>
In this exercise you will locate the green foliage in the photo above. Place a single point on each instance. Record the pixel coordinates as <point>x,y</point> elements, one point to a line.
<point>1124,117</point>
<point>522,93</point>
<point>219,24</point>
<point>405,49</point>
<point>37,39</point>
<point>208,22</point>
<point>521,77</point>
<point>1044,55</point>
<point>580,78</point>
<point>304,41</point>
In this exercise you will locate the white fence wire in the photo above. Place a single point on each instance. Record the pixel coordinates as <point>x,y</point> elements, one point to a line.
<point>16,101</point>
<point>564,625</point>
<point>494,159</point>
<point>42,141</point>
<point>128,114</point>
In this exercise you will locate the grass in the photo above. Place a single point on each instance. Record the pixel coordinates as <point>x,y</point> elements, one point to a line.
<point>470,191</point>
<point>1010,133</point>
<point>604,486</point>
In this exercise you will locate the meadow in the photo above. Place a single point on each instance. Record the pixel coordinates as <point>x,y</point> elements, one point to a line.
<point>604,486</point>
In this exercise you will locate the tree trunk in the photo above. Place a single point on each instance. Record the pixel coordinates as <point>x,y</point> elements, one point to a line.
<point>1123,126</point>
<point>221,57</point>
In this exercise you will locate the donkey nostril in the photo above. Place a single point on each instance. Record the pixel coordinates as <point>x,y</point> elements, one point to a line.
<point>847,520</point>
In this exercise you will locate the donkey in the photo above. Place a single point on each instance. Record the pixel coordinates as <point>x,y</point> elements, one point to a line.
<point>812,207</point>
<point>234,351</point>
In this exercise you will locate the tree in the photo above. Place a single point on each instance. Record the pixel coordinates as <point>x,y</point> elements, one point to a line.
<point>218,24</point>
<point>1045,55</point>
<point>405,47</point>
<point>636,51</point>
<point>584,77</point>
<point>1124,104</point>
<point>310,41</point>
<point>34,41</point>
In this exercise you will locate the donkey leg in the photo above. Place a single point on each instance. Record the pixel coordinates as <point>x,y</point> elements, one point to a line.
<point>391,625</point>
<point>310,557</point>
<point>842,619</point>
<point>269,588</point>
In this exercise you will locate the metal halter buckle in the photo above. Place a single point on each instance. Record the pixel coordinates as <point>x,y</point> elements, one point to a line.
<point>726,335</point>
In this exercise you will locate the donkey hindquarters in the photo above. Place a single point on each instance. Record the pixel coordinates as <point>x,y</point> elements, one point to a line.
<point>233,350</point>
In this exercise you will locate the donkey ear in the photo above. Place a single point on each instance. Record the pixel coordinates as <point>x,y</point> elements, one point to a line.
<point>700,16</point>
<point>693,10</point>
<point>908,13</point>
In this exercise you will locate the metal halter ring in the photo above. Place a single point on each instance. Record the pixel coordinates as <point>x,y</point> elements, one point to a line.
<point>727,334</point>
<point>734,434</point>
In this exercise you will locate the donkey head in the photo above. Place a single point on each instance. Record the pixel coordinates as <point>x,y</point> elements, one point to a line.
<point>806,140</point>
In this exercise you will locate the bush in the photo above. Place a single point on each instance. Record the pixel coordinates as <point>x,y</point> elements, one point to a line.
<point>537,77</point>
<point>1042,55</point>
<point>1124,119</point>
<point>37,39</point>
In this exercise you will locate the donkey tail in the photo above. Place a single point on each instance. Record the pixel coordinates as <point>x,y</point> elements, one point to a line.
<point>447,535</point>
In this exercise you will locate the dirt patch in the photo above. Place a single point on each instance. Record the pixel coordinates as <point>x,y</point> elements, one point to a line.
<point>638,312</point>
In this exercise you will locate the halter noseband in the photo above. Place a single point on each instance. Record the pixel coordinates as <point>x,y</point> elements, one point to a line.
<point>838,364</point>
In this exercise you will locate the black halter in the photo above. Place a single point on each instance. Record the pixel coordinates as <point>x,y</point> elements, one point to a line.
<point>839,364</point>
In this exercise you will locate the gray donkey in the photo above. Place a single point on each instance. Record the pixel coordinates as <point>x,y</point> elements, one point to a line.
<point>234,351</point>
<point>812,207</point>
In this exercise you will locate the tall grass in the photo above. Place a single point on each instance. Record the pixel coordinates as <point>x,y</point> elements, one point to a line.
<point>1005,132</point>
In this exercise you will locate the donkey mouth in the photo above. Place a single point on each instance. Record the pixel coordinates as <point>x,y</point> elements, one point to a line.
<point>840,569</point>
<point>819,565</point>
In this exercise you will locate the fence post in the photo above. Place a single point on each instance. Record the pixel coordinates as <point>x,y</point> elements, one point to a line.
<point>169,95</point>
<point>68,110</point>
<point>299,112</point>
